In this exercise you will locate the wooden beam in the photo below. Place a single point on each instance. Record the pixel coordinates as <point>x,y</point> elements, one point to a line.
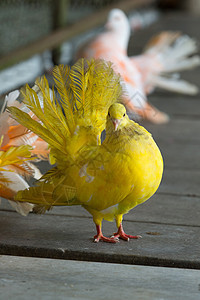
<point>60,10</point>
<point>57,37</point>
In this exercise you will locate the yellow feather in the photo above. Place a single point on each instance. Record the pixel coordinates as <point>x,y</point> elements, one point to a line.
<point>96,87</point>
<point>15,155</point>
<point>61,77</point>
<point>48,135</point>
<point>14,162</point>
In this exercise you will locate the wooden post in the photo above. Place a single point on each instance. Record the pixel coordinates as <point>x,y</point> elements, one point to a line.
<point>60,10</point>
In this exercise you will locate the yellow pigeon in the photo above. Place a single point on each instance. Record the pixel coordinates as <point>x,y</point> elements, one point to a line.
<point>106,179</point>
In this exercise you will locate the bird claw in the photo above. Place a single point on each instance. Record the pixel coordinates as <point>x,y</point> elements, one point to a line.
<point>126,237</point>
<point>122,235</point>
<point>102,238</point>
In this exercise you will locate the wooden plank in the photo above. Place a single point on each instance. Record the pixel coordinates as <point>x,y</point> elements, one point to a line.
<point>181,131</point>
<point>178,156</point>
<point>63,237</point>
<point>36,278</point>
<point>177,106</point>
<point>59,36</point>
<point>181,182</point>
<point>168,209</point>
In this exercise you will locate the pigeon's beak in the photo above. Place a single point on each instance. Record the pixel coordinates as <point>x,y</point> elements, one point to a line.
<point>116,123</point>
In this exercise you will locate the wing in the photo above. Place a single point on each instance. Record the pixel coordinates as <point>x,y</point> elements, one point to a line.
<point>55,188</point>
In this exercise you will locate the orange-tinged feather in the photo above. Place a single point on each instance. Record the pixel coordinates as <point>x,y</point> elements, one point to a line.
<point>6,192</point>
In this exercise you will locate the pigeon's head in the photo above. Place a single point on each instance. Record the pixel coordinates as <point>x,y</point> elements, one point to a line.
<point>118,22</point>
<point>117,117</point>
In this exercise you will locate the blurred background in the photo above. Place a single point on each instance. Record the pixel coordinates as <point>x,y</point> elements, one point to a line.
<point>35,35</point>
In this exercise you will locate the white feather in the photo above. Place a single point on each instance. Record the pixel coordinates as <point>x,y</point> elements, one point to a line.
<point>174,85</point>
<point>16,184</point>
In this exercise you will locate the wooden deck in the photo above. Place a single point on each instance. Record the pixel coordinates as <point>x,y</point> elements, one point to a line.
<point>52,256</point>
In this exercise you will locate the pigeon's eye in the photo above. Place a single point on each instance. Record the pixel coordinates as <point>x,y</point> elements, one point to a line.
<point>124,115</point>
<point>109,114</point>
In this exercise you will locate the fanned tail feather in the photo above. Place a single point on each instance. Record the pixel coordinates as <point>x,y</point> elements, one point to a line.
<point>10,184</point>
<point>182,65</point>
<point>166,53</point>
<point>174,85</point>
<point>161,41</point>
<point>15,134</point>
<point>15,156</point>
<point>15,159</point>
<point>179,57</point>
<point>62,77</point>
<point>95,87</point>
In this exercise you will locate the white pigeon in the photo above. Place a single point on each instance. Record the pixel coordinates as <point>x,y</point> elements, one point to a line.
<point>165,53</point>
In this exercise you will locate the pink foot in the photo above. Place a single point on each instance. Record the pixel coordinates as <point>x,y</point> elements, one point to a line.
<point>122,235</point>
<point>100,237</point>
